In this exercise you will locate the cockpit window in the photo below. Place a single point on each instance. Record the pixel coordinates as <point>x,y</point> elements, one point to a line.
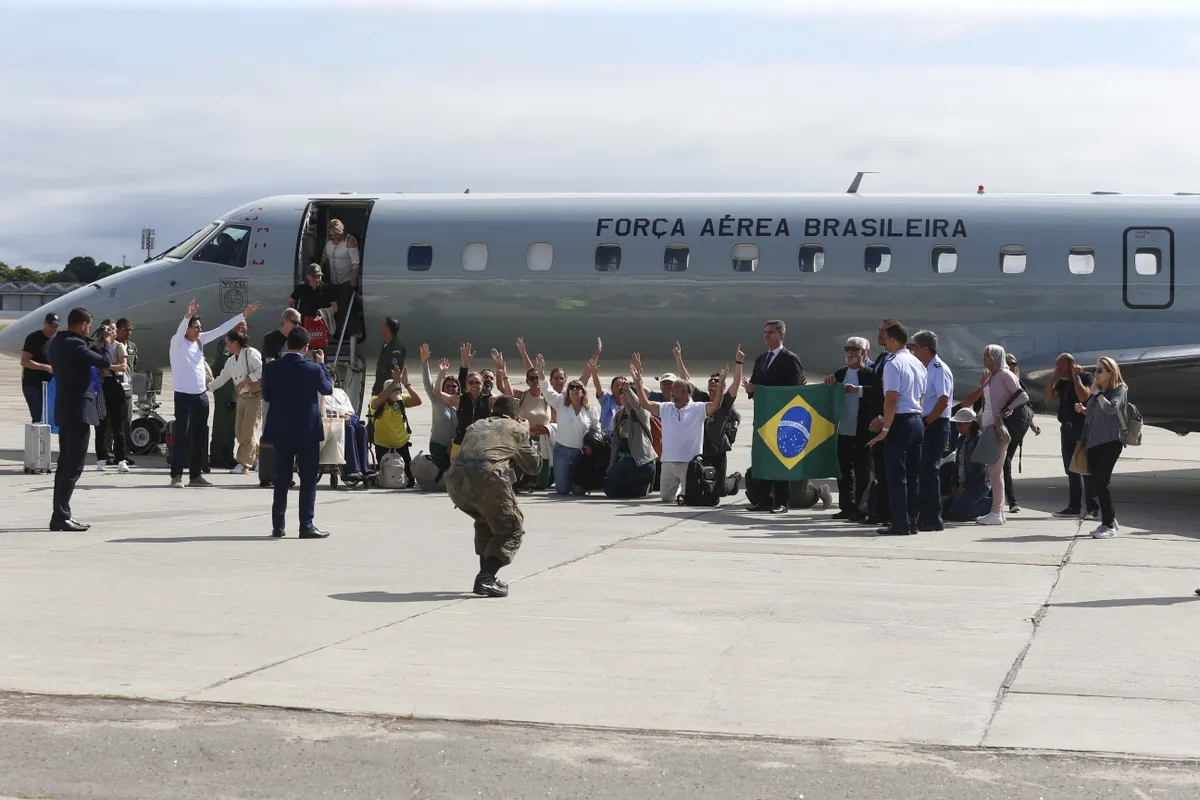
<point>183,248</point>
<point>228,248</point>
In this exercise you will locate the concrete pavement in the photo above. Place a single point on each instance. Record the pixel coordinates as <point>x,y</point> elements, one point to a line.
<point>624,615</point>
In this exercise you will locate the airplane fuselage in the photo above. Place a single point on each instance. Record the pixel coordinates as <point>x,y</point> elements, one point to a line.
<point>1038,274</point>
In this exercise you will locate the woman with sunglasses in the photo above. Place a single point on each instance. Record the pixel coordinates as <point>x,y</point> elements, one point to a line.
<point>444,400</point>
<point>1105,418</point>
<point>575,418</point>
<point>472,403</point>
<point>534,409</point>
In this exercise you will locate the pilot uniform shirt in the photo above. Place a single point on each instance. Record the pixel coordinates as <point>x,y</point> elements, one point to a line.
<point>905,375</point>
<point>683,431</point>
<point>390,430</point>
<point>939,381</point>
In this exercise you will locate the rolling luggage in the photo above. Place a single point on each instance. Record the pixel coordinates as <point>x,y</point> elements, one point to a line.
<point>37,440</point>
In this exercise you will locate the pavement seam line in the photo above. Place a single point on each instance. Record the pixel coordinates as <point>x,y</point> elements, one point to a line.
<point>185,696</point>
<point>1011,676</point>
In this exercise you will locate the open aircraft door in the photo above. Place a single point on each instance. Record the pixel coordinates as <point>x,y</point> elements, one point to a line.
<point>1149,269</point>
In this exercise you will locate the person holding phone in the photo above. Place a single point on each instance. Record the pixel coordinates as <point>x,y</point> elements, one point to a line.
<point>1070,385</point>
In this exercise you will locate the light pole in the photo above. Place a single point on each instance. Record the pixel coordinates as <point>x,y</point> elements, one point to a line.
<point>148,241</point>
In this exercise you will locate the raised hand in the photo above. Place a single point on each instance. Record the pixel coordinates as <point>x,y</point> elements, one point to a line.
<point>540,363</point>
<point>193,307</point>
<point>637,362</point>
<point>677,351</point>
<point>424,354</point>
<point>636,373</point>
<point>444,364</point>
<point>396,373</point>
<point>739,355</point>
<point>520,345</point>
<point>599,347</point>
<point>467,353</point>
<point>250,309</point>
<point>404,377</point>
<point>497,356</point>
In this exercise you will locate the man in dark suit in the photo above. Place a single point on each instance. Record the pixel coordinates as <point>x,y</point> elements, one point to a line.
<point>295,427</point>
<point>776,367</point>
<point>72,356</point>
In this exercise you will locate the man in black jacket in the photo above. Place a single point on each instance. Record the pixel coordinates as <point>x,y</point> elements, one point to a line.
<point>854,429</point>
<point>881,511</point>
<point>776,367</point>
<point>73,356</point>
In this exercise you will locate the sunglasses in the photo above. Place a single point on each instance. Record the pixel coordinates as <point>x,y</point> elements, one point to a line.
<point>1101,369</point>
<point>474,383</point>
<point>531,378</point>
<point>850,348</point>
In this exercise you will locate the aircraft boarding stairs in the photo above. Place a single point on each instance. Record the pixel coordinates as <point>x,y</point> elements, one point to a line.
<point>349,366</point>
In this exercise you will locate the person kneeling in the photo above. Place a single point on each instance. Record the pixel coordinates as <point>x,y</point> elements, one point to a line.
<point>479,484</point>
<point>970,491</point>
<point>632,456</point>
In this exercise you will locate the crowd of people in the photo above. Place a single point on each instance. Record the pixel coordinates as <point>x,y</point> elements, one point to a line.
<point>910,457</point>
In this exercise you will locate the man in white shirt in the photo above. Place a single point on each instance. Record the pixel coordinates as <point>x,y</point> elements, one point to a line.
<point>904,389</point>
<point>935,409</point>
<point>682,427</point>
<point>191,392</point>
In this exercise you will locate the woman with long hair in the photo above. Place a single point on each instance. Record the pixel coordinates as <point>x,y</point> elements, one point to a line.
<point>443,396</point>
<point>1001,392</point>
<point>1105,420</point>
<point>575,418</point>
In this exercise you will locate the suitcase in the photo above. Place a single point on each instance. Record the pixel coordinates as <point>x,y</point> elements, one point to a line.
<point>266,466</point>
<point>37,440</point>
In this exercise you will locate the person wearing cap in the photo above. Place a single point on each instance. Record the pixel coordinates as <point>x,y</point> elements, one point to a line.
<point>970,489</point>
<point>36,371</point>
<point>313,295</point>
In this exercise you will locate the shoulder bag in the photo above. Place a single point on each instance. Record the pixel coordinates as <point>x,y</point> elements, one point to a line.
<point>1131,424</point>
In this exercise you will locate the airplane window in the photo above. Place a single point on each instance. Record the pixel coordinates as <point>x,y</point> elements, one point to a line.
<point>945,259</point>
<point>608,258</point>
<point>1013,258</point>
<point>1147,260</point>
<point>677,258</point>
<point>878,258</point>
<point>474,257</point>
<point>540,257</point>
<point>1081,260</point>
<point>420,257</point>
<point>745,257</point>
<point>228,248</point>
<point>812,258</point>
<point>183,248</point>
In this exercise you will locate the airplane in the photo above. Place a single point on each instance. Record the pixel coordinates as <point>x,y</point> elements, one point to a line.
<point>1039,274</point>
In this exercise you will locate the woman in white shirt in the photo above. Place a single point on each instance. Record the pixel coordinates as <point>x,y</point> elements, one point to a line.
<point>575,418</point>
<point>244,368</point>
<point>341,258</point>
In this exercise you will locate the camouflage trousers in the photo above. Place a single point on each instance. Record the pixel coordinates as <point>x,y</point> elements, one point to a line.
<point>487,497</point>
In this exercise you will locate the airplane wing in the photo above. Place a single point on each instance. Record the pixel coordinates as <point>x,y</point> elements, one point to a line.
<point>1163,381</point>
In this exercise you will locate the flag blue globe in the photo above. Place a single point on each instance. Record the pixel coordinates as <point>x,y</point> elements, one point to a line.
<point>791,437</point>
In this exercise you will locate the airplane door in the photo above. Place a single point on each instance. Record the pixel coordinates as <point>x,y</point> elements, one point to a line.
<point>1149,279</point>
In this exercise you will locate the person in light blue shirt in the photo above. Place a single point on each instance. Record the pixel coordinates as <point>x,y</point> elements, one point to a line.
<point>902,433</point>
<point>935,408</point>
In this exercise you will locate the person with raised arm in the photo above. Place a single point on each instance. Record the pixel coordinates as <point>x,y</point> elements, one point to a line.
<point>576,416</point>
<point>443,396</point>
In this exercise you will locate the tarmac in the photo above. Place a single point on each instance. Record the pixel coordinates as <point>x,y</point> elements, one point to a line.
<point>645,650</point>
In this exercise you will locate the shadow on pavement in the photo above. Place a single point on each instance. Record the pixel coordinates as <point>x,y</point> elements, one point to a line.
<point>400,597</point>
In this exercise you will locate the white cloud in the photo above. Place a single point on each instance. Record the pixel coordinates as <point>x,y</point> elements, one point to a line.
<point>93,163</point>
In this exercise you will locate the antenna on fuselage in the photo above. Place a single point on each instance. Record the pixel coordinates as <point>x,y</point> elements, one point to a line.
<point>468,191</point>
<point>854,184</point>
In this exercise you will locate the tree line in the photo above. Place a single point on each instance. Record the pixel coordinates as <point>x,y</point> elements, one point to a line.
<point>80,269</point>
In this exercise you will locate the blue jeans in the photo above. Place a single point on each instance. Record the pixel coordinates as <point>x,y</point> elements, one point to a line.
<point>33,399</point>
<point>564,460</point>
<point>933,447</point>
<point>626,480</point>
<point>970,505</point>
<point>903,457</point>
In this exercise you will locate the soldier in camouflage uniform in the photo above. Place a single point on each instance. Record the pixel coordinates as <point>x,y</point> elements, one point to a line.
<point>480,484</point>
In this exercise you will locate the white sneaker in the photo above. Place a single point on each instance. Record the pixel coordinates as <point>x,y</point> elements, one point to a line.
<point>100,465</point>
<point>1103,532</point>
<point>826,497</point>
<point>122,467</point>
<point>991,519</point>
<point>238,470</point>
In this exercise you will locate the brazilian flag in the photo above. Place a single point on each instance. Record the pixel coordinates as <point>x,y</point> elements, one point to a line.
<point>795,431</point>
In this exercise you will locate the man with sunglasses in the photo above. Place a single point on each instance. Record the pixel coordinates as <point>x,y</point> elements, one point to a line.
<point>36,371</point>
<point>854,431</point>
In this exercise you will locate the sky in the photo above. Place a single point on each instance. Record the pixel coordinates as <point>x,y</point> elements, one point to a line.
<point>121,116</point>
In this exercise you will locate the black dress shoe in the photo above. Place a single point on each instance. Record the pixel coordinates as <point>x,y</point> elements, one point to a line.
<point>780,510</point>
<point>757,507</point>
<point>927,528</point>
<point>278,533</point>
<point>894,530</point>
<point>312,533</point>
<point>68,525</point>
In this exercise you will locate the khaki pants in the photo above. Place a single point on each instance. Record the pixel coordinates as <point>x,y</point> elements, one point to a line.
<point>674,476</point>
<point>246,428</point>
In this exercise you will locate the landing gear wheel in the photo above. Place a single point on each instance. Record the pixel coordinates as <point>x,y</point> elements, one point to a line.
<point>145,435</point>
<point>333,479</point>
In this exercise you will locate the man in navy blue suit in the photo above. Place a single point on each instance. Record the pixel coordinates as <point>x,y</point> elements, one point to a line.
<point>294,426</point>
<point>72,356</point>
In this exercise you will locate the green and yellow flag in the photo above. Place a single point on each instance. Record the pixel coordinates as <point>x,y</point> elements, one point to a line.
<point>795,431</point>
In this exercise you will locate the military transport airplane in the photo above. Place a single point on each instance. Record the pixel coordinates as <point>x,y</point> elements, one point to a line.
<point>1092,274</point>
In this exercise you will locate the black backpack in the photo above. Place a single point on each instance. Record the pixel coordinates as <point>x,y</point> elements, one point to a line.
<point>700,485</point>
